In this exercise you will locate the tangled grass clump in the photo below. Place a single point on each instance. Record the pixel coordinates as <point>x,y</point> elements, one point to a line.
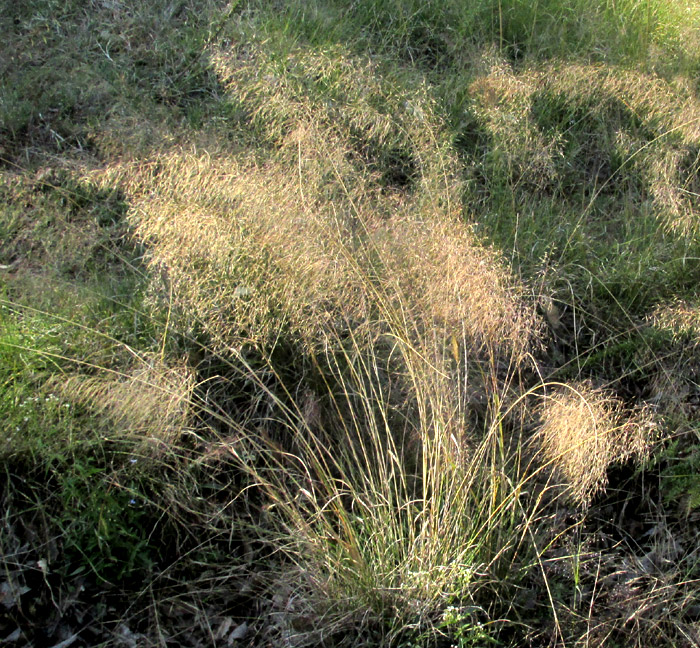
<point>385,480</point>
<point>586,430</point>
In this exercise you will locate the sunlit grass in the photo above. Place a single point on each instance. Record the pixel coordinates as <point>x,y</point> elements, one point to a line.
<point>342,323</point>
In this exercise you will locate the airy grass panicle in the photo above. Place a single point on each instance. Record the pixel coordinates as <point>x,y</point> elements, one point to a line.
<point>151,403</point>
<point>309,235</point>
<point>585,430</point>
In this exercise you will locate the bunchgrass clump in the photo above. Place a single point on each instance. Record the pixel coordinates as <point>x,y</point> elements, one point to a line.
<point>393,488</point>
<point>303,306</point>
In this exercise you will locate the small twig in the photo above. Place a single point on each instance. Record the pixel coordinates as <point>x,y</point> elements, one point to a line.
<point>11,266</point>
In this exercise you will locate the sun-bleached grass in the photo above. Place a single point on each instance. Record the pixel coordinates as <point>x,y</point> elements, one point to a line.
<point>397,476</point>
<point>309,235</point>
<point>634,123</point>
<point>351,372</point>
<point>681,318</point>
<point>395,483</point>
<point>597,161</point>
<point>584,431</point>
<point>149,404</point>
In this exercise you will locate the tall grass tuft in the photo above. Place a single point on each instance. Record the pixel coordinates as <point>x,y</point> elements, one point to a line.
<point>391,472</point>
<point>388,521</point>
<point>316,393</point>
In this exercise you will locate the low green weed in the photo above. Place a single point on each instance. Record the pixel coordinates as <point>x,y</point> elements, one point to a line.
<point>680,479</point>
<point>104,520</point>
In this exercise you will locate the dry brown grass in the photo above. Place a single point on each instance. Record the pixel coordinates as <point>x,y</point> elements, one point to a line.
<point>392,295</point>
<point>368,419</point>
<point>309,239</point>
<point>586,430</point>
<point>681,318</point>
<point>150,405</point>
<point>651,124</point>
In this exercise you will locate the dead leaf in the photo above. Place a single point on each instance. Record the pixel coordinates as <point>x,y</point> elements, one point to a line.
<point>238,633</point>
<point>11,593</point>
<point>67,642</point>
<point>13,636</point>
<point>225,626</point>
